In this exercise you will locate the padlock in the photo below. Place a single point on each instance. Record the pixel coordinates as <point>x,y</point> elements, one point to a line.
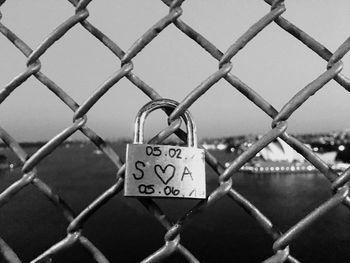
<point>164,170</point>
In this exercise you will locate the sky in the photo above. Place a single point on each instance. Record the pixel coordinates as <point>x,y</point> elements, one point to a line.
<point>274,64</point>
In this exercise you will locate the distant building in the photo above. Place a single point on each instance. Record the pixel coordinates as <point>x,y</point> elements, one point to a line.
<point>328,157</point>
<point>278,151</point>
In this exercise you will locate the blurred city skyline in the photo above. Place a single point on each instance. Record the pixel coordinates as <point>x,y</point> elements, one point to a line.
<point>274,64</point>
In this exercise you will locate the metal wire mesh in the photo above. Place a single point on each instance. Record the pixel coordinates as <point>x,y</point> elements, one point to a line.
<point>226,188</point>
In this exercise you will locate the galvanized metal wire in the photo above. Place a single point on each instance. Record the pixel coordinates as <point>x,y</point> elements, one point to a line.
<point>76,221</point>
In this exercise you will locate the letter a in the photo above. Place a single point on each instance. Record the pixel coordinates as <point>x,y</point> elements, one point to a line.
<point>186,172</point>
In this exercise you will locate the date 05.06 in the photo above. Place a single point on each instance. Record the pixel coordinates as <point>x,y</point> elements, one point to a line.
<point>149,189</point>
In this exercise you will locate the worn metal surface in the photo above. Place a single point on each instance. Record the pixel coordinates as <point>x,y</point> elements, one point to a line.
<point>164,171</point>
<point>76,220</point>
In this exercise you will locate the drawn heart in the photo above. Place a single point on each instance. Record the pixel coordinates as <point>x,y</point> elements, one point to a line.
<point>165,174</point>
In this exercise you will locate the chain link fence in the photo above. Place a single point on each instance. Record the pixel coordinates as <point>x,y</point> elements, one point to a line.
<point>75,222</point>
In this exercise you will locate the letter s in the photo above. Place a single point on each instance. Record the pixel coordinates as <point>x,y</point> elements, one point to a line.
<point>138,165</point>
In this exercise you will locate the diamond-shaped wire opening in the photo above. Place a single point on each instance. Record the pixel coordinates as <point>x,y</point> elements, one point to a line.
<point>119,113</point>
<point>104,229</point>
<point>230,102</point>
<point>147,14</point>
<point>232,20</point>
<point>330,104</point>
<point>317,26</point>
<point>23,117</point>
<point>163,56</point>
<point>40,231</point>
<point>282,74</point>
<point>65,176</point>
<point>301,244</point>
<point>234,224</point>
<point>80,74</point>
<point>52,13</point>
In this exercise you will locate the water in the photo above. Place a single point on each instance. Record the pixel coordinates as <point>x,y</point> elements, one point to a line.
<point>125,232</point>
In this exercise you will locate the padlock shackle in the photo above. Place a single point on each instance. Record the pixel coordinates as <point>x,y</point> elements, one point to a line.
<point>161,104</point>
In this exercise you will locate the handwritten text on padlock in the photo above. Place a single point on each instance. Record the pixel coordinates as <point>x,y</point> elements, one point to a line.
<point>165,171</point>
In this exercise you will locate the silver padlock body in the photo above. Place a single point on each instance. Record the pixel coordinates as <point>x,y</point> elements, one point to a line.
<point>165,171</point>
